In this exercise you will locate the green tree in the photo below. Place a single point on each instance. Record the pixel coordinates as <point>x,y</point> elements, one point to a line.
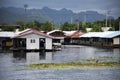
<point>84,28</point>
<point>116,24</point>
<point>21,24</point>
<point>47,26</point>
<point>96,27</point>
<point>68,27</point>
<point>88,24</point>
<point>8,28</point>
<point>31,25</point>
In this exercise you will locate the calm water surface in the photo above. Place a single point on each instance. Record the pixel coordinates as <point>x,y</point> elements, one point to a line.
<point>12,66</point>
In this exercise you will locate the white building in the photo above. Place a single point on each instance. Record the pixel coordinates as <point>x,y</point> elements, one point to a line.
<point>103,29</point>
<point>31,39</point>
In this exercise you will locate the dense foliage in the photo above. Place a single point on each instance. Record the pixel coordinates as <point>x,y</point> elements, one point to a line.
<point>48,26</point>
<point>68,27</point>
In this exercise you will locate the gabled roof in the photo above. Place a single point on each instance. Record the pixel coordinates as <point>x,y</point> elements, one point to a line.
<point>29,31</point>
<point>76,34</point>
<point>68,33</point>
<point>7,34</point>
<point>108,34</point>
<point>54,31</point>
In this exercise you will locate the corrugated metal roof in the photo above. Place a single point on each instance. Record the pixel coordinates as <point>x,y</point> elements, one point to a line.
<point>7,34</point>
<point>108,34</point>
<point>112,34</point>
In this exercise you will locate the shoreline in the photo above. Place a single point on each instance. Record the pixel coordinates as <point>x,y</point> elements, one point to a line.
<point>72,65</point>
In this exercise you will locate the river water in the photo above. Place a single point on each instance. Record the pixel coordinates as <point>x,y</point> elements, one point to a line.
<point>12,65</point>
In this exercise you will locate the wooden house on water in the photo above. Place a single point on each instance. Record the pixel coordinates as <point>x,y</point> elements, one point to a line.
<point>32,40</point>
<point>73,38</point>
<point>58,38</point>
<point>66,37</point>
<point>5,40</point>
<point>104,39</point>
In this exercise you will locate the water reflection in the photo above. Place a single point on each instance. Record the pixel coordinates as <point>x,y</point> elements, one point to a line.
<point>33,57</point>
<point>12,65</point>
<point>116,50</point>
<point>39,57</point>
<point>68,54</point>
<point>77,53</point>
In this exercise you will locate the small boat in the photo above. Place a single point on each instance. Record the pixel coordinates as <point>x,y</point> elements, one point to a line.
<point>57,46</point>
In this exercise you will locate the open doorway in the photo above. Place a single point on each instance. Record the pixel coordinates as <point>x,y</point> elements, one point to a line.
<point>42,43</point>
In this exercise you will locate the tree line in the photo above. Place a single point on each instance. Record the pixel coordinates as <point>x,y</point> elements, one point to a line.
<point>77,25</point>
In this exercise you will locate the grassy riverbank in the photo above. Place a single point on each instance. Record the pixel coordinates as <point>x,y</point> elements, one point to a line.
<point>78,65</point>
<point>93,63</point>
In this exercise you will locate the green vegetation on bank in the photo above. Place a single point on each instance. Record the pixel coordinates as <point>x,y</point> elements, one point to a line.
<point>93,63</point>
<point>78,65</point>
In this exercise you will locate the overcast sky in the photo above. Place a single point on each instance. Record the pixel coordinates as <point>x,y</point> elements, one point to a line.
<point>75,5</point>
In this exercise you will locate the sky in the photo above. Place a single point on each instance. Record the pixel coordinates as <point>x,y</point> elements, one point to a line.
<point>102,6</point>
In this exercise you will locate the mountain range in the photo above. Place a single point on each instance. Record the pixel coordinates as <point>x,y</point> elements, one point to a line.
<point>11,15</point>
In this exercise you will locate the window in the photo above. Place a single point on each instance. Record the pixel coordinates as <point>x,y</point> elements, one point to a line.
<point>32,40</point>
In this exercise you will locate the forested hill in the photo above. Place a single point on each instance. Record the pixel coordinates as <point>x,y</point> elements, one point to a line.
<point>13,15</point>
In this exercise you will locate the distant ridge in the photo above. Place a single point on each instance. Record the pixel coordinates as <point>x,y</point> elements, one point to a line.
<point>12,15</point>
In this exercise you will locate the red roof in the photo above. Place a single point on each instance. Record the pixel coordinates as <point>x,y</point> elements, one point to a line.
<point>76,34</point>
<point>30,30</point>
